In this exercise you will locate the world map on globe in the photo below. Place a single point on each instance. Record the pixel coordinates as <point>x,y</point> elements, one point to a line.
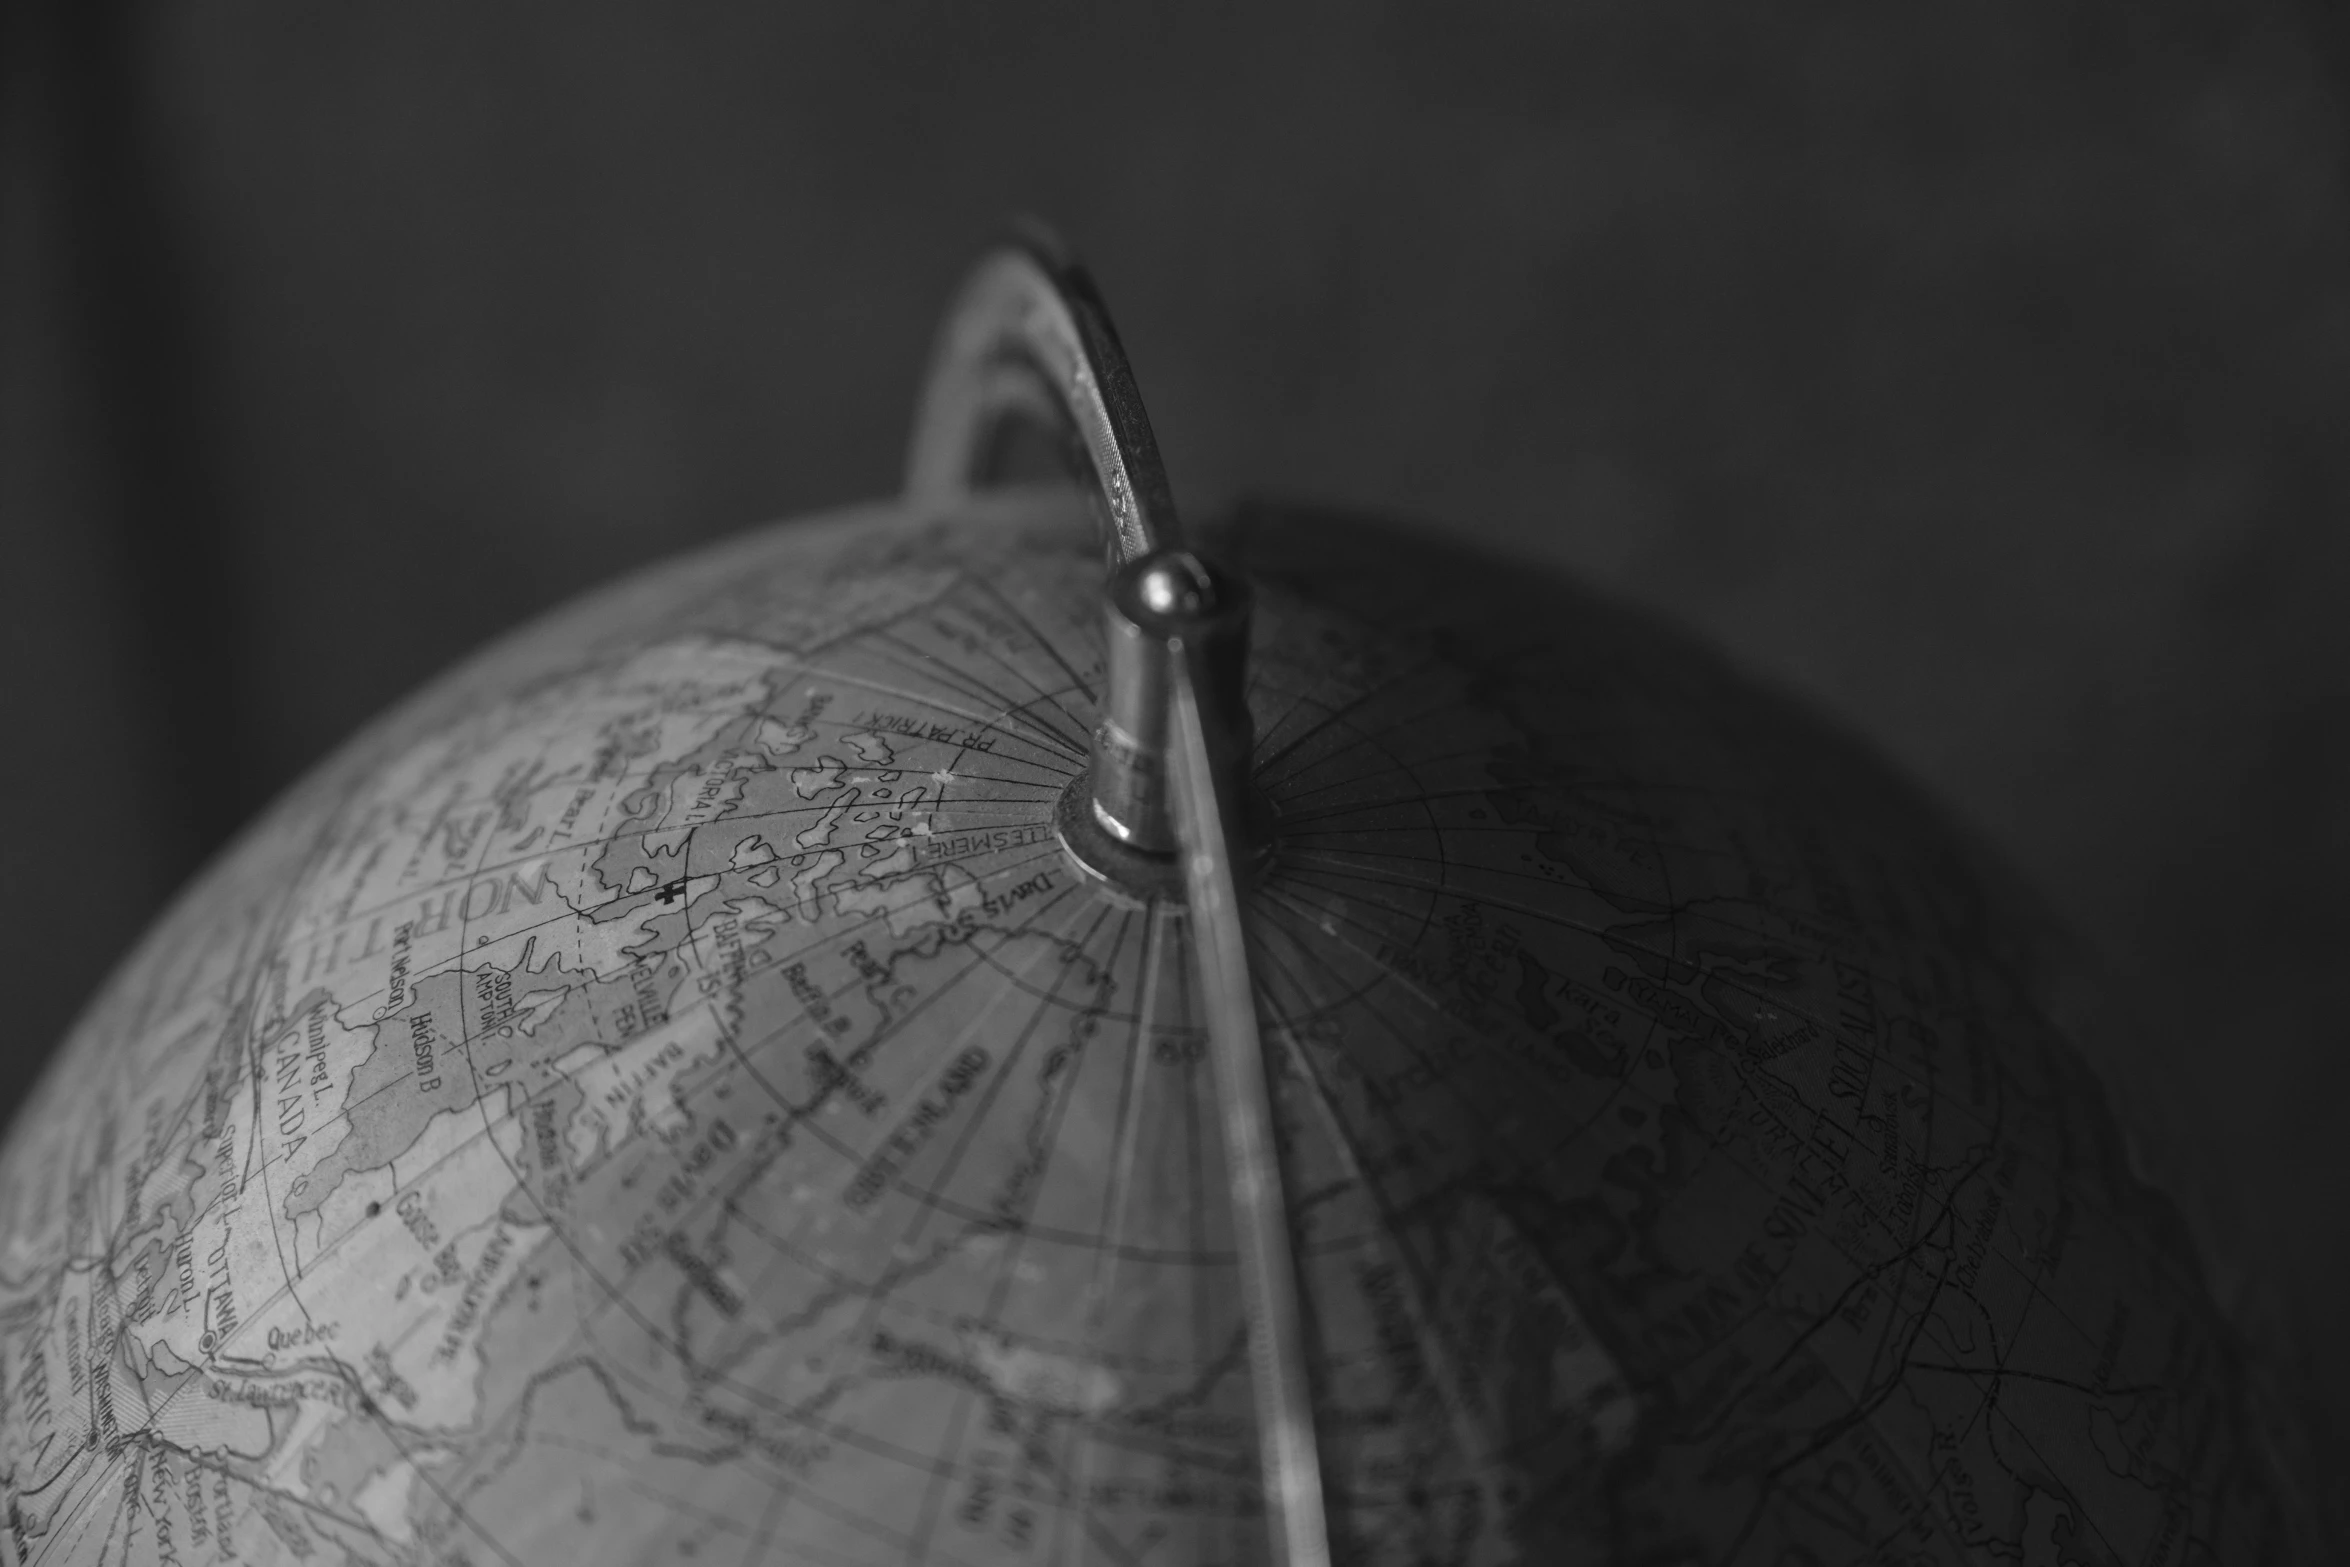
<point>665,1094</point>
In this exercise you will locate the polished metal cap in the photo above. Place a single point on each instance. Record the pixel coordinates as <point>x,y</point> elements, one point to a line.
<point>1156,608</point>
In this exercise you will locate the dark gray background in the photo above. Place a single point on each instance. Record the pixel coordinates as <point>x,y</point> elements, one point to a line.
<point>1979,371</point>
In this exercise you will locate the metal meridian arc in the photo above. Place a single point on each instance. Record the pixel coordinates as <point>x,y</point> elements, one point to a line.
<point>1207,813</point>
<point>1029,339</point>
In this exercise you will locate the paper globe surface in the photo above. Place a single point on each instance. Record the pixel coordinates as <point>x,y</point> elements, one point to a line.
<point>666,1094</point>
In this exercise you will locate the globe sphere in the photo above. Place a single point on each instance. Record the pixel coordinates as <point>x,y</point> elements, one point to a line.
<point>667,1092</point>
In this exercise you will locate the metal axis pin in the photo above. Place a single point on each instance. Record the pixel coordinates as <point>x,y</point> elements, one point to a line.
<point>1118,819</point>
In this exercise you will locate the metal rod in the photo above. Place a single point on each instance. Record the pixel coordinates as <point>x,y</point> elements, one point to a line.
<point>1029,338</point>
<point>1208,801</point>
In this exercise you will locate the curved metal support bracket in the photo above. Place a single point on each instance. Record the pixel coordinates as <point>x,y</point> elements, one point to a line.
<point>1208,810</point>
<point>1029,340</point>
<point>1164,802</point>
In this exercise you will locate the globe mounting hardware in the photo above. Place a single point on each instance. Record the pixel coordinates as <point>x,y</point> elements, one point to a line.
<point>1028,341</point>
<point>1163,809</point>
<point>674,1064</point>
<point>1117,819</point>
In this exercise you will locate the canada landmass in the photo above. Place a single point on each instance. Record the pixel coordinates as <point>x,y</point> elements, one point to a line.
<point>468,1031</point>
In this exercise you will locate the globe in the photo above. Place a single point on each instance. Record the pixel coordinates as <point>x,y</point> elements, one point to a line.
<point>674,1090</point>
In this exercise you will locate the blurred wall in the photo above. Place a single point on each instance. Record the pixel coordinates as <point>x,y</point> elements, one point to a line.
<point>1979,371</point>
